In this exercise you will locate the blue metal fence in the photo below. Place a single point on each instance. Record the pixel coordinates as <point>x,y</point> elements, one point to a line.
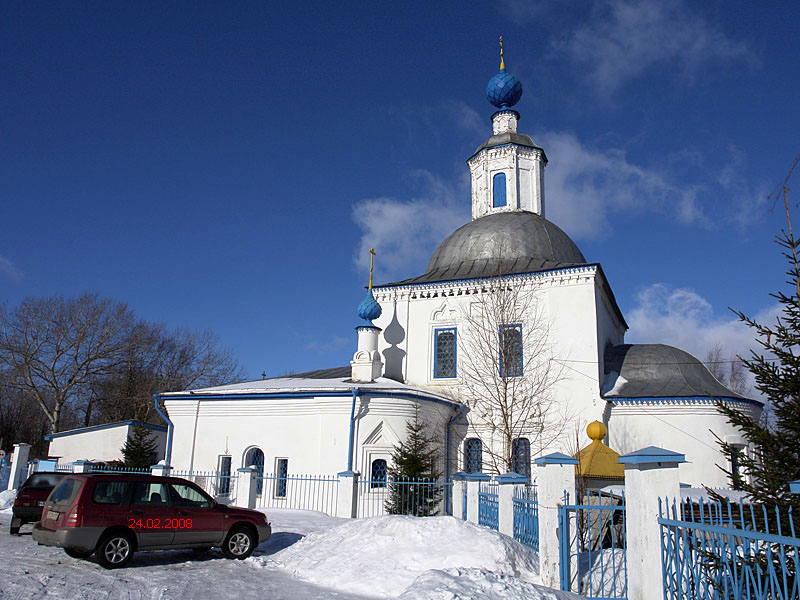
<point>302,492</point>
<point>417,497</point>
<point>488,505</point>
<point>728,550</point>
<point>526,516</point>
<point>592,546</point>
<point>464,502</point>
<point>99,468</point>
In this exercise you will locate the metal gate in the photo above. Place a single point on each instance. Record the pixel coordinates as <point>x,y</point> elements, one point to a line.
<point>592,546</point>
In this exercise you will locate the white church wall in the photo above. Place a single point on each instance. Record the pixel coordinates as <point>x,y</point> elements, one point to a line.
<point>682,427</point>
<point>311,433</point>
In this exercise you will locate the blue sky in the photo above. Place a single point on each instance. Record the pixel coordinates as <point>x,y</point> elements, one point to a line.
<point>226,166</point>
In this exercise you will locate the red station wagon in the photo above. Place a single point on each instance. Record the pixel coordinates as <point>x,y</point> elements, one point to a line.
<point>114,516</point>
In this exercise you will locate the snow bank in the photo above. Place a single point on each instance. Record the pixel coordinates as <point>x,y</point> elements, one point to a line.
<point>477,584</point>
<point>7,498</point>
<point>383,556</point>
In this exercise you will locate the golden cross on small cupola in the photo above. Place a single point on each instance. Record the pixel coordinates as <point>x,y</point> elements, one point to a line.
<point>371,260</point>
<point>502,63</point>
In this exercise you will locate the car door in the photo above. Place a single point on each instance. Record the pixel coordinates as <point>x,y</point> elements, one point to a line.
<point>198,521</point>
<point>150,514</point>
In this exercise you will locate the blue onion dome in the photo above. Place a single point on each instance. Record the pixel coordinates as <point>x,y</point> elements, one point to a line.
<point>503,90</point>
<point>369,308</point>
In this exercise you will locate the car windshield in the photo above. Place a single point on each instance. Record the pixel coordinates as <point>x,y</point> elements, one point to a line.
<point>43,480</point>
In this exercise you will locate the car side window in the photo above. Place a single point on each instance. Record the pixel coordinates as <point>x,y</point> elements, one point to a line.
<point>109,492</point>
<point>187,496</point>
<point>146,493</point>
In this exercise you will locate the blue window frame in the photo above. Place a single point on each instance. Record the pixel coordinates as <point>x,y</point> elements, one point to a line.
<point>378,474</point>
<point>473,455</point>
<point>521,456</point>
<point>445,353</point>
<point>282,473</point>
<point>255,457</point>
<point>511,351</point>
<point>499,190</point>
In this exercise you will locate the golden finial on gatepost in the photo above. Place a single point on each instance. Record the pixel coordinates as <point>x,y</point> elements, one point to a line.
<point>371,260</point>
<point>502,63</point>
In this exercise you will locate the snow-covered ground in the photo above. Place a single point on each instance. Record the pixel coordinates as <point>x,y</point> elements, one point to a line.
<point>310,555</point>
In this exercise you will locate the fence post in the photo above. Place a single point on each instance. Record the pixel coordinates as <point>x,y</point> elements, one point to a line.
<point>82,466</point>
<point>19,461</point>
<point>246,487</point>
<point>458,494</point>
<point>347,505</point>
<point>161,469</point>
<point>650,473</point>
<point>473,487</point>
<point>509,483</point>
<point>555,474</point>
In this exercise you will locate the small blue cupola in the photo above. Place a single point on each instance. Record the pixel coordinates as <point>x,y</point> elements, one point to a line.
<point>369,309</point>
<point>503,90</point>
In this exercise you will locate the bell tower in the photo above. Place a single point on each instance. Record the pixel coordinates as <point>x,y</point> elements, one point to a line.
<point>507,170</point>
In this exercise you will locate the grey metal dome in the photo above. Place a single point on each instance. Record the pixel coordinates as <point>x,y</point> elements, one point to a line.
<point>501,243</point>
<point>658,371</point>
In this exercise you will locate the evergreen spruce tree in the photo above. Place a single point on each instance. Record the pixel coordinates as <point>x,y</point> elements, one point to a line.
<point>139,449</point>
<point>413,478</point>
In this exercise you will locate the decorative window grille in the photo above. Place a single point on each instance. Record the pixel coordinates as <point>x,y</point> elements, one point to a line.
<point>378,474</point>
<point>499,190</point>
<point>282,472</point>
<point>224,482</point>
<point>255,458</point>
<point>521,456</point>
<point>473,455</point>
<point>444,362</point>
<point>511,350</point>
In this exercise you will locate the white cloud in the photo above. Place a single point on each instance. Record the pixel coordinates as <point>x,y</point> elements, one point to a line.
<point>8,269</point>
<point>583,186</point>
<point>331,345</point>
<point>405,233</point>
<point>624,38</point>
<point>681,317</point>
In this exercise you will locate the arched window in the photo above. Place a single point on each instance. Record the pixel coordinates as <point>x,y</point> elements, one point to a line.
<point>378,473</point>
<point>499,190</point>
<point>521,456</point>
<point>444,362</point>
<point>255,458</point>
<point>473,455</point>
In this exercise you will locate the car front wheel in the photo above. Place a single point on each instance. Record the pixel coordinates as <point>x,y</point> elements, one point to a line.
<point>239,543</point>
<point>115,550</point>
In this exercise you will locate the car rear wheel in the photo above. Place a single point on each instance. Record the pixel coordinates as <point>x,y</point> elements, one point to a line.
<point>78,553</point>
<point>13,530</point>
<point>239,543</point>
<point>115,550</point>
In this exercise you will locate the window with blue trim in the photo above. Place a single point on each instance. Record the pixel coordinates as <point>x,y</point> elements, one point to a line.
<point>473,455</point>
<point>511,350</point>
<point>499,190</point>
<point>444,359</point>
<point>282,475</point>
<point>378,474</point>
<point>521,456</point>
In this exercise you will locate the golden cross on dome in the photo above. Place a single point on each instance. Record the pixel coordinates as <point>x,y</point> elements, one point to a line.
<point>371,259</point>
<point>502,63</point>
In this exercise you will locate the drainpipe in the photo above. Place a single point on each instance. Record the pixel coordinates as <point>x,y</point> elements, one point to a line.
<point>447,454</point>
<point>356,393</point>
<point>170,427</point>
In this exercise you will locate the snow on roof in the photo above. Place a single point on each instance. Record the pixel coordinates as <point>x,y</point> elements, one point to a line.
<point>302,383</point>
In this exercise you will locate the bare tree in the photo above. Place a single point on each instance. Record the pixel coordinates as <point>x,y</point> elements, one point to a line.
<point>508,369</point>
<point>52,348</point>
<point>728,369</point>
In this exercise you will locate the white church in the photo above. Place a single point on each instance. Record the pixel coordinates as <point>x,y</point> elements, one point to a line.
<point>506,347</point>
